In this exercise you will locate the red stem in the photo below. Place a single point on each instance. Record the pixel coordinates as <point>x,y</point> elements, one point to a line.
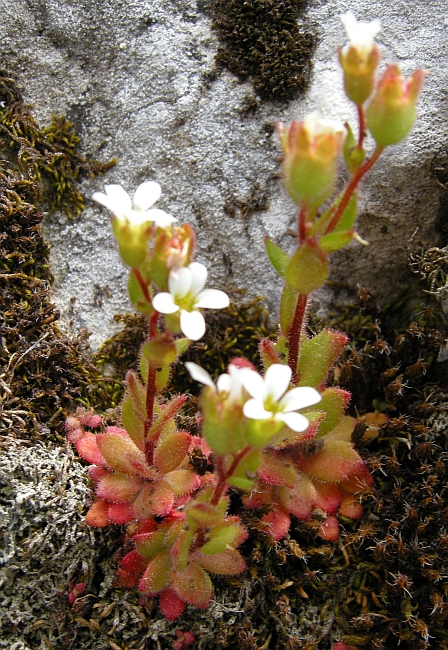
<point>351,187</point>
<point>294,334</point>
<point>151,392</point>
<point>143,285</point>
<point>362,126</point>
<point>223,475</point>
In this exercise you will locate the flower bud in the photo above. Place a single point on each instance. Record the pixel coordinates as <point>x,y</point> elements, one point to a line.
<point>360,58</point>
<point>392,111</point>
<point>311,149</point>
<point>132,241</point>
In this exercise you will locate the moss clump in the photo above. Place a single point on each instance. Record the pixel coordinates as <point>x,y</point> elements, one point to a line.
<point>261,40</point>
<point>48,156</point>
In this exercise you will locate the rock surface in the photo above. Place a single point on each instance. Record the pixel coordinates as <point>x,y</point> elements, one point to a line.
<point>135,76</point>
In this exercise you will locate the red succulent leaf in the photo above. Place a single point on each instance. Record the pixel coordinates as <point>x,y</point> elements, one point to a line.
<point>228,563</point>
<point>335,462</point>
<point>170,452</point>
<point>276,523</point>
<point>122,455</point>
<point>277,469</point>
<point>358,482</point>
<point>97,515</point>
<point>120,513</point>
<point>329,529</point>
<point>155,499</point>
<point>96,473</point>
<point>157,574</point>
<point>301,498</point>
<point>260,496</point>
<point>118,487</point>
<point>191,584</point>
<point>183,481</point>
<point>350,507</point>
<point>328,497</point>
<point>77,591</point>
<point>343,646</point>
<point>132,566</point>
<point>87,447</point>
<point>170,604</point>
<point>73,435</point>
<point>148,545</point>
<point>180,551</point>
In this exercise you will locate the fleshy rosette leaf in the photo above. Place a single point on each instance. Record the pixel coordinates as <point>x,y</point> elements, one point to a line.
<point>317,356</point>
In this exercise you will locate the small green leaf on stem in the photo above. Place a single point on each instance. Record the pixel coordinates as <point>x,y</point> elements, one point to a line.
<point>308,268</point>
<point>279,259</point>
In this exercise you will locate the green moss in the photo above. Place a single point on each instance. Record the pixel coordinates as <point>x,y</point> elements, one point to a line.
<point>261,40</point>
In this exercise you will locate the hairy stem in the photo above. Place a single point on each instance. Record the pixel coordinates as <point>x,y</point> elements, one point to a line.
<point>362,126</point>
<point>294,334</point>
<point>143,285</point>
<point>351,187</point>
<point>151,392</point>
<point>223,475</point>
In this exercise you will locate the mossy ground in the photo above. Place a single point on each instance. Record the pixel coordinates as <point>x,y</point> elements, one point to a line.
<point>382,585</point>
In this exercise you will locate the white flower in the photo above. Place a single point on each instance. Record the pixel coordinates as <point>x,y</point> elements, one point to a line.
<point>271,399</point>
<point>227,383</point>
<point>136,211</point>
<point>361,34</point>
<point>187,295</point>
<point>318,126</point>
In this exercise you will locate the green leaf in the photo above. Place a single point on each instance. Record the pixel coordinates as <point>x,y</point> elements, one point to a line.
<point>183,481</point>
<point>229,533</point>
<point>335,240</point>
<point>191,584</point>
<point>279,259</point>
<point>148,545</point>
<point>171,450</point>
<point>182,345</point>
<point>132,422</point>
<point>353,156</point>
<point>227,563</point>
<point>317,355</point>
<point>157,575</point>
<point>138,297</point>
<point>335,462</point>
<point>180,551</point>
<point>333,403</point>
<point>276,469</point>
<point>288,306</point>
<point>203,515</point>
<point>308,268</point>
<point>222,424</point>
<point>348,217</point>
<point>160,351</point>
<point>260,432</point>
<point>122,455</point>
<point>245,472</point>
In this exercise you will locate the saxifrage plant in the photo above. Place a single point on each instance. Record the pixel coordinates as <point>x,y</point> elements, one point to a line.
<point>253,440</point>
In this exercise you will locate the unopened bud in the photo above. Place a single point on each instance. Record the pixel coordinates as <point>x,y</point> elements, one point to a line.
<point>392,111</point>
<point>360,58</point>
<point>311,150</point>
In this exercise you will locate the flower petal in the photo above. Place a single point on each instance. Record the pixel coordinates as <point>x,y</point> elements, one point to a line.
<point>360,34</point>
<point>255,410</point>
<point>121,200</point>
<point>164,303</point>
<point>199,374</point>
<point>146,195</point>
<point>192,324</point>
<point>198,277</point>
<point>179,283</point>
<point>160,217</point>
<point>277,380</point>
<point>253,383</point>
<point>299,398</point>
<point>294,421</point>
<point>212,299</point>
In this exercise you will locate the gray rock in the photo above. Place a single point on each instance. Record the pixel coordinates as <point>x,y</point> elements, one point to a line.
<point>133,77</point>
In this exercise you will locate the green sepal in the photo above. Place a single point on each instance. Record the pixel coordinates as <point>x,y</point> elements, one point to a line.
<point>138,297</point>
<point>279,259</point>
<point>353,155</point>
<point>317,356</point>
<point>244,474</point>
<point>223,424</point>
<point>288,306</point>
<point>260,432</point>
<point>335,240</point>
<point>308,268</point>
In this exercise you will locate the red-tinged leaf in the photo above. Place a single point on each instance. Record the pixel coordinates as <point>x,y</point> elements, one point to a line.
<point>267,353</point>
<point>170,452</point>
<point>168,411</point>
<point>203,515</point>
<point>277,469</point>
<point>76,592</point>
<point>317,356</point>
<point>148,545</point>
<point>343,430</point>
<point>328,497</point>
<point>343,646</point>
<point>329,529</point>
<point>73,435</point>
<point>122,455</point>
<point>170,604</point>
<point>132,422</point>
<point>155,499</point>
<point>118,487</point>
<point>204,600</point>
<point>87,447</point>
<point>145,526</point>
<point>120,513</point>
<point>301,498</point>
<point>96,473</point>
<point>359,482</point>
<point>117,431</point>
<point>289,437</point>
<point>180,551</point>
<point>183,481</point>
<point>125,579</point>
<point>157,575</point>
<point>333,403</point>
<point>137,393</point>
<point>97,514</point>
<point>134,563</point>
<point>228,563</point>
<point>276,523</point>
<point>228,534</point>
<point>191,584</point>
<point>308,268</point>
<point>350,507</point>
<point>260,496</point>
<point>335,462</point>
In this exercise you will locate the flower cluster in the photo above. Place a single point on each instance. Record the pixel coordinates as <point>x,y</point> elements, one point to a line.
<point>281,438</point>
